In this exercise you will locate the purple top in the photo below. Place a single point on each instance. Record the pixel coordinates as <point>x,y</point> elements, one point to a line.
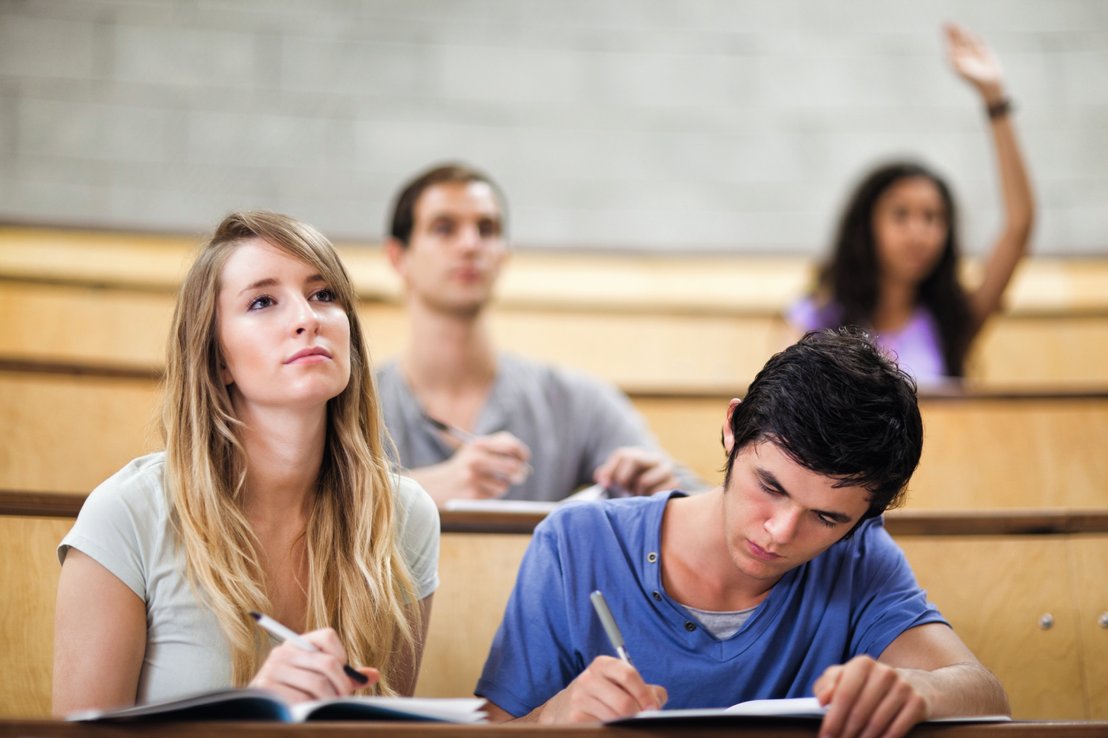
<point>915,347</point>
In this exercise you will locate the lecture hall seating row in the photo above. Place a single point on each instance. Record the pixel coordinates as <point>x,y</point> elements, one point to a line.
<point>68,431</point>
<point>1032,605</point>
<point>656,323</point>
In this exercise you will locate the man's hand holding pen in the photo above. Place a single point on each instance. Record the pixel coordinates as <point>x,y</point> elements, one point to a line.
<point>610,688</point>
<point>482,467</point>
<point>486,466</point>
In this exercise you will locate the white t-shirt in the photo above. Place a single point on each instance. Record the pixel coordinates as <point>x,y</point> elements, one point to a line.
<point>124,525</point>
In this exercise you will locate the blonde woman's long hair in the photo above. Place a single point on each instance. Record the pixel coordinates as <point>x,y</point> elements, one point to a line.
<point>358,582</point>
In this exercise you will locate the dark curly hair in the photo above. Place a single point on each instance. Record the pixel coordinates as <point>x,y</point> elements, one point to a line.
<point>839,406</point>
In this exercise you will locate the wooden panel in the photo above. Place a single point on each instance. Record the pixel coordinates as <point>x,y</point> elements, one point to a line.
<point>685,281</point>
<point>1023,453</point>
<point>646,351</point>
<point>1089,556</point>
<point>638,351</point>
<point>124,328</point>
<point>477,573</point>
<point>993,591</point>
<point>640,347</point>
<point>689,428</point>
<point>1029,351</point>
<point>67,434</point>
<point>977,453</point>
<point>77,323</point>
<point>29,581</point>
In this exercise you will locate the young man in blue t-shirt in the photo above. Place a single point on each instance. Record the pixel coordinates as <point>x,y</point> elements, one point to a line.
<point>781,583</point>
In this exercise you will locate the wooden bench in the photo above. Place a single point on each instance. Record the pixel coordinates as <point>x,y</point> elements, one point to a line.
<point>660,323</point>
<point>995,577</point>
<point>69,431</point>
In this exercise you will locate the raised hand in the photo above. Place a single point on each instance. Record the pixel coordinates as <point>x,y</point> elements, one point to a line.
<point>974,62</point>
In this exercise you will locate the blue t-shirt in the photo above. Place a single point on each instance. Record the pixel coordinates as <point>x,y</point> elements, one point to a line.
<point>855,598</point>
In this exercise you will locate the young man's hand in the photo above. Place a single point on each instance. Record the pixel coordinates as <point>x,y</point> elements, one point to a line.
<point>637,471</point>
<point>607,690</point>
<point>482,468</point>
<point>867,698</point>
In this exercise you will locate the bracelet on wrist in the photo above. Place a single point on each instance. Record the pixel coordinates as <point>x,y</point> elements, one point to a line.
<point>999,109</point>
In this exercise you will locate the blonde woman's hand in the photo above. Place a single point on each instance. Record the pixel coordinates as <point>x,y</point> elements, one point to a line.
<point>298,675</point>
<point>974,62</point>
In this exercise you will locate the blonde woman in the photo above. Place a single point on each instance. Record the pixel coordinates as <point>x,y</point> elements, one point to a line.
<point>274,494</point>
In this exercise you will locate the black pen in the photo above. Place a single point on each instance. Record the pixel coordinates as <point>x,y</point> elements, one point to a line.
<point>277,630</point>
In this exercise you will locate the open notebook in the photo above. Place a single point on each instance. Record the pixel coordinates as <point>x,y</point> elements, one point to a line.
<point>798,707</point>
<point>262,705</point>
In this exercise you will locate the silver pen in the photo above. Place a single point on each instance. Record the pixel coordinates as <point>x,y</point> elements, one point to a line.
<point>609,623</point>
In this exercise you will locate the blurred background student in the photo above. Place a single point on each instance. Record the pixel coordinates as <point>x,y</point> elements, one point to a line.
<point>894,267</point>
<point>472,422</point>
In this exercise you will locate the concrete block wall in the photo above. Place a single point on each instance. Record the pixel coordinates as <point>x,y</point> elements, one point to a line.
<point>729,125</point>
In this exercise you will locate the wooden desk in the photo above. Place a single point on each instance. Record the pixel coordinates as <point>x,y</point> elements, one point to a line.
<point>748,729</point>
<point>993,575</point>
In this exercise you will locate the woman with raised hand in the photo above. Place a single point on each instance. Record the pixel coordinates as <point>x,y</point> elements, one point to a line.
<point>273,494</point>
<point>894,266</point>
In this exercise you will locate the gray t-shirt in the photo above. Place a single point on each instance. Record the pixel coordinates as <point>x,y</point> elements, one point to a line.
<point>124,525</point>
<point>571,423</point>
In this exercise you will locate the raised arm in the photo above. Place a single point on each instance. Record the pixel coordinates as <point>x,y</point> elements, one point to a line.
<point>972,60</point>
<point>99,638</point>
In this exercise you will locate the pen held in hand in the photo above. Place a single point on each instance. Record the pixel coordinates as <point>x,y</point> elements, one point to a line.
<point>463,436</point>
<point>451,430</point>
<point>284,633</point>
<point>609,623</point>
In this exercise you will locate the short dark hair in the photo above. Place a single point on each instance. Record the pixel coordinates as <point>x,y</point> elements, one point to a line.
<point>403,210</point>
<point>851,277</point>
<point>839,406</point>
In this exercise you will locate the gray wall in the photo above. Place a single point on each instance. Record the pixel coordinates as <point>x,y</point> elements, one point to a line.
<point>694,124</point>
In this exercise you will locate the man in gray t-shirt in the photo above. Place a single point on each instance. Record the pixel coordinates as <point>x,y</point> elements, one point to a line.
<point>470,422</point>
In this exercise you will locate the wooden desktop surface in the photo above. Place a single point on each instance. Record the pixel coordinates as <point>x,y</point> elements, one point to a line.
<point>749,729</point>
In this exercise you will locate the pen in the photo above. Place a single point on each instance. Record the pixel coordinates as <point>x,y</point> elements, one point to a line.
<point>463,436</point>
<point>277,630</point>
<point>451,430</point>
<point>609,623</point>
